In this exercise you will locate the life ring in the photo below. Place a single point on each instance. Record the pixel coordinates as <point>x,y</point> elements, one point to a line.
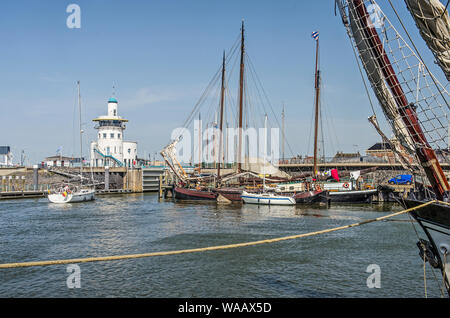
<point>345,185</point>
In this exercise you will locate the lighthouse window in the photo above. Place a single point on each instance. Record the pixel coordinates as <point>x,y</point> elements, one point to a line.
<point>118,136</point>
<point>115,112</point>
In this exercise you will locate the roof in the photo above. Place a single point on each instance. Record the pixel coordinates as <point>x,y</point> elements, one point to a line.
<point>381,146</point>
<point>60,157</point>
<point>108,118</point>
<point>112,100</point>
<point>4,150</point>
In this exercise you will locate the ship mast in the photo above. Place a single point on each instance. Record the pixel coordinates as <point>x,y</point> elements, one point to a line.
<point>317,95</point>
<point>222,98</point>
<point>241,96</point>
<point>81,135</point>
<point>199,143</point>
<point>282,134</point>
<point>424,151</point>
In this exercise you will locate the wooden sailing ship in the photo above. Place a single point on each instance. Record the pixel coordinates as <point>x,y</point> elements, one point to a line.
<point>415,105</point>
<point>215,187</point>
<point>229,187</point>
<point>318,189</point>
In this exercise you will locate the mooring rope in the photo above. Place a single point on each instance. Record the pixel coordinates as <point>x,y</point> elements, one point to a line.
<point>210,248</point>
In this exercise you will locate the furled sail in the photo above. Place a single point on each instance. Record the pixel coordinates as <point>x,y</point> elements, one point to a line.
<point>169,155</point>
<point>433,22</point>
<point>404,86</point>
<point>260,166</point>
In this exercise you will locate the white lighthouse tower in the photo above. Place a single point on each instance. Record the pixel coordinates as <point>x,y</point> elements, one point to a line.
<point>110,149</point>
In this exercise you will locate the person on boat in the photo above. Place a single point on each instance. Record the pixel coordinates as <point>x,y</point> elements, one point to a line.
<point>67,190</point>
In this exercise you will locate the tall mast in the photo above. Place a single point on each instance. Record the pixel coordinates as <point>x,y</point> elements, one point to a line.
<point>222,98</point>
<point>282,133</point>
<point>264,153</point>
<point>317,95</point>
<point>200,144</point>
<point>241,96</point>
<point>81,134</point>
<point>214,138</point>
<point>207,145</point>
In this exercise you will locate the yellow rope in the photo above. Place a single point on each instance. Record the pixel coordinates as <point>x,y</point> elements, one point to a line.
<point>204,249</point>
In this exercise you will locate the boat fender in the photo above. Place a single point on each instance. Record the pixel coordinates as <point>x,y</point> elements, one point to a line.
<point>345,185</point>
<point>444,248</point>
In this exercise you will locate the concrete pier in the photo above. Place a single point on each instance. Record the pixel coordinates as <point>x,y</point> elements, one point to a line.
<point>35,177</point>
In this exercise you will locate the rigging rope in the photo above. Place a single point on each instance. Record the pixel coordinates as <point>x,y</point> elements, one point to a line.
<point>417,51</point>
<point>205,93</point>
<point>258,81</point>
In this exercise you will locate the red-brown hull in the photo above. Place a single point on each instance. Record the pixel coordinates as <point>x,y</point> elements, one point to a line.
<point>192,194</point>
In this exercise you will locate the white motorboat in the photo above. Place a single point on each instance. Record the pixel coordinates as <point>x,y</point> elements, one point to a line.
<point>267,198</point>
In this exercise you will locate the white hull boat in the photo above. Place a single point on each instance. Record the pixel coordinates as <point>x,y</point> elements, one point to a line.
<point>266,199</point>
<point>77,196</point>
<point>80,193</point>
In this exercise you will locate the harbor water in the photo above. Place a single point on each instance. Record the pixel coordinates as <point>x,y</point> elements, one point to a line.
<point>327,265</point>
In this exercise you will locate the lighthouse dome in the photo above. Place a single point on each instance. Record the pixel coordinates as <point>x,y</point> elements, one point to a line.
<point>112,100</point>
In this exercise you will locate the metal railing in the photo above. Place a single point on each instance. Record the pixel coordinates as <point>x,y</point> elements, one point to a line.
<point>24,188</point>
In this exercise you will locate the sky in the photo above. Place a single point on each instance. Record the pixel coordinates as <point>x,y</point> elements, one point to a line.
<point>160,55</point>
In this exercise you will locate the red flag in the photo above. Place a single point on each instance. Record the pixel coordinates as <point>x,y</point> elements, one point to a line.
<point>334,174</point>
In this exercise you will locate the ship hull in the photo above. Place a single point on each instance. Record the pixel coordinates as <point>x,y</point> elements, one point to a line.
<point>81,196</point>
<point>352,196</point>
<point>267,199</point>
<point>311,197</point>
<point>192,194</point>
<point>233,194</point>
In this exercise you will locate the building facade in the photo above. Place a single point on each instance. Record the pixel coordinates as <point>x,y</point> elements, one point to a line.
<point>5,156</point>
<point>110,149</point>
<point>61,161</point>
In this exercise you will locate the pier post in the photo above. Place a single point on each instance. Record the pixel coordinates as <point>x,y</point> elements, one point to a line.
<point>160,186</point>
<point>4,183</point>
<point>106,178</point>
<point>35,177</point>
